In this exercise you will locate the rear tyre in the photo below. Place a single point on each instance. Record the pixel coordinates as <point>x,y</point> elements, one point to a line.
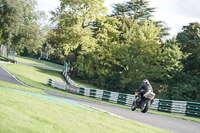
<point>145,106</point>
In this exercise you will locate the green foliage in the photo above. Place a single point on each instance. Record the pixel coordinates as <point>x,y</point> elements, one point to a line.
<point>184,82</point>
<point>1,39</point>
<point>116,52</point>
<point>173,57</point>
<point>189,40</point>
<point>11,12</point>
<point>139,11</point>
<point>100,64</point>
<point>73,34</point>
<point>54,46</point>
<point>142,55</point>
<point>77,38</point>
<point>184,87</point>
<point>20,25</point>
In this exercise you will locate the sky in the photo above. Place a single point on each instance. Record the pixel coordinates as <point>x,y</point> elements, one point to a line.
<point>175,13</point>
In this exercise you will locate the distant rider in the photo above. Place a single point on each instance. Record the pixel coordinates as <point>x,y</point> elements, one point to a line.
<point>144,87</point>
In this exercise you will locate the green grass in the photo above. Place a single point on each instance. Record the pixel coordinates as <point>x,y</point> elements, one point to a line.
<point>32,76</point>
<point>38,62</point>
<point>22,113</point>
<point>7,59</point>
<point>37,78</point>
<point>85,85</point>
<point>21,88</point>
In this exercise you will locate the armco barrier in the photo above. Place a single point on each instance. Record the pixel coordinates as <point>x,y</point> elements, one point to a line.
<point>92,93</point>
<point>63,86</point>
<point>106,95</point>
<point>82,91</point>
<point>178,107</point>
<point>165,105</point>
<point>113,97</point>
<point>121,99</point>
<point>57,84</point>
<point>193,109</point>
<point>99,94</point>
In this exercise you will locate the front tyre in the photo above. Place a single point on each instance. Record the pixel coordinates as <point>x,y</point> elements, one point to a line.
<point>133,106</point>
<point>145,106</point>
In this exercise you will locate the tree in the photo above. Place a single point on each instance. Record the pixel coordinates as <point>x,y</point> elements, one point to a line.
<point>139,11</point>
<point>20,25</point>
<point>142,55</point>
<point>11,12</point>
<point>1,39</point>
<point>184,87</point>
<point>100,65</point>
<point>173,64</point>
<point>74,21</point>
<point>189,40</point>
<point>55,47</point>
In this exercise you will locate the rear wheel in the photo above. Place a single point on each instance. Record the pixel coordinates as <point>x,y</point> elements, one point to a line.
<point>133,106</point>
<point>145,106</point>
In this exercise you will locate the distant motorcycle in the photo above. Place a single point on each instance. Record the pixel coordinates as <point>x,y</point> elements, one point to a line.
<point>145,102</point>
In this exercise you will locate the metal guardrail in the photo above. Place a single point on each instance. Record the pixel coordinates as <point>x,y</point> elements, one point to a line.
<point>193,109</point>
<point>170,106</point>
<point>63,86</point>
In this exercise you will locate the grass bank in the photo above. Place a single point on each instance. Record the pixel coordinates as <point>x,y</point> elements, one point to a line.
<point>7,59</point>
<point>21,113</point>
<point>32,76</point>
<point>38,62</point>
<point>21,88</point>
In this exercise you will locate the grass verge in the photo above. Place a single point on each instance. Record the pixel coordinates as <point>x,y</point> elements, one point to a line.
<point>21,88</point>
<point>6,59</point>
<point>38,80</point>
<point>38,62</point>
<point>85,85</point>
<point>32,76</point>
<point>22,113</point>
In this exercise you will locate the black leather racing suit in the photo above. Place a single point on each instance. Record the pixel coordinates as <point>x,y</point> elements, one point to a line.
<point>144,87</point>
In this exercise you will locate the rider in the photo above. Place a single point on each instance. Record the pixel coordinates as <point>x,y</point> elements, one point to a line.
<point>144,87</point>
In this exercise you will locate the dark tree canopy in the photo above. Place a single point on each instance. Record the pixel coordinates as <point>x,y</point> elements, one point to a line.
<point>189,40</point>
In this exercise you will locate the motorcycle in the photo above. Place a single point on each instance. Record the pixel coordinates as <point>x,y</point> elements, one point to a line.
<point>146,100</point>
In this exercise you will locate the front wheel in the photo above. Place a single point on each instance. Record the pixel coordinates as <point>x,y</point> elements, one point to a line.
<point>145,106</point>
<point>133,106</point>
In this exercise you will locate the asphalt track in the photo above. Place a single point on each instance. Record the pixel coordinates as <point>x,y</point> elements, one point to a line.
<point>168,123</point>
